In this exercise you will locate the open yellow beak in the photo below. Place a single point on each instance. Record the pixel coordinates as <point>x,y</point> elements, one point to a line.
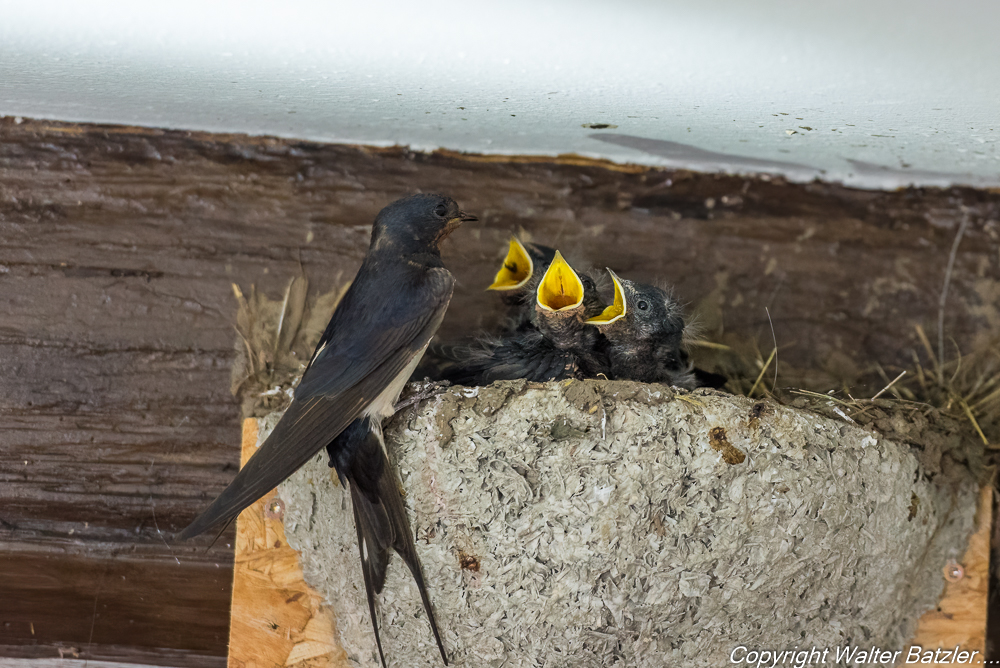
<point>560,288</point>
<point>516,269</point>
<point>616,310</point>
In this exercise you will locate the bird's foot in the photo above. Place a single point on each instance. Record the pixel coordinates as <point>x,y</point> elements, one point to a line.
<point>419,391</point>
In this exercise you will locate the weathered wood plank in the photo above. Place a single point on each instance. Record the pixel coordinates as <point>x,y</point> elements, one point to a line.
<point>118,247</point>
<point>87,604</point>
<point>68,656</point>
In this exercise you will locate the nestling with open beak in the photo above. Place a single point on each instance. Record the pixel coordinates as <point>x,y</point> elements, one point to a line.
<point>518,278</point>
<point>561,309</point>
<point>554,344</point>
<point>644,328</point>
<point>522,269</point>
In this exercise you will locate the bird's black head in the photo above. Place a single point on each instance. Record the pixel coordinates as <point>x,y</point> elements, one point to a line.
<point>416,224</point>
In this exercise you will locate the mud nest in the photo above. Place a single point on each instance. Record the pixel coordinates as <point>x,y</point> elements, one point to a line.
<point>598,523</point>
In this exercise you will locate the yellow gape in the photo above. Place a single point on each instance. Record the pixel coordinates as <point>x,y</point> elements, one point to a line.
<point>560,288</point>
<point>516,269</point>
<point>616,310</point>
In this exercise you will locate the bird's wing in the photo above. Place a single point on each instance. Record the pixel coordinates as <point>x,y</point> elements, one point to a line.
<point>371,339</point>
<point>540,364</point>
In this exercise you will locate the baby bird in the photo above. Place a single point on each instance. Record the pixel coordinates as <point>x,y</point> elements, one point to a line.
<point>552,345</point>
<point>644,328</point>
<point>518,279</point>
<point>562,307</point>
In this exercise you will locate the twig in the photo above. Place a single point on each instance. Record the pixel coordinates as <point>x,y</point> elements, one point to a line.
<point>995,394</point>
<point>880,392</point>
<point>761,375</point>
<point>930,353</point>
<point>944,290</point>
<point>828,397</point>
<point>972,419</point>
<point>775,339</point>
<point>709,344</point>
<point>885,377</point>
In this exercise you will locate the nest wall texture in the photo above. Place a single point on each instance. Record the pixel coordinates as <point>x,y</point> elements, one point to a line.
<point>598,523</point>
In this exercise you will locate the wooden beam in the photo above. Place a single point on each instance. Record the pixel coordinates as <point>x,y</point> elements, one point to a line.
<point>118,248</point>
<point>960,617</point>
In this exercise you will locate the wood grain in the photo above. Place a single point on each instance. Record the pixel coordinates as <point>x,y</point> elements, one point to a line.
<point>118,247</point>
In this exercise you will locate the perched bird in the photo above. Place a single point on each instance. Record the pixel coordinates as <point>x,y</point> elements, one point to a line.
<point>644,328</point>
<point>374,340</point>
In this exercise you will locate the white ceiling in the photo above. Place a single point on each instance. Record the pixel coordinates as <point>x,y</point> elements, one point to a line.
<point>874,93</point>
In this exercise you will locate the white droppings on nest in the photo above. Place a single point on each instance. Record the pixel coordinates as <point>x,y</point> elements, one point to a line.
<point>549,544</point>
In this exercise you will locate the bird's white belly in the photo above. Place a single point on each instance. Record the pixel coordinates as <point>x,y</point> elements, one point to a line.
<point>384,404</point>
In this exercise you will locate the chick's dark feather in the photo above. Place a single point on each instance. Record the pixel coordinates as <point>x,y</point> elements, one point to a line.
<point>527,354</point>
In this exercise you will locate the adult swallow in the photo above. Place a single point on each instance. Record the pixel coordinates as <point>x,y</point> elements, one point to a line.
<point>374,340</point>
<point>644,328</point>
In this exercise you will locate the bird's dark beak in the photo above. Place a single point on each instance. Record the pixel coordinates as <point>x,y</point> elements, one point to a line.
<point>453,223</point>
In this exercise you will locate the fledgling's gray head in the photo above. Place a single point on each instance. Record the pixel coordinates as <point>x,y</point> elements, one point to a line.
<point>639,313</point>
<point>417,223</point>
<point>644,328</point>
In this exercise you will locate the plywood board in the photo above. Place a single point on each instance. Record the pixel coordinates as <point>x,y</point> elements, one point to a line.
<point>277,619</point>
<point>960,618</point>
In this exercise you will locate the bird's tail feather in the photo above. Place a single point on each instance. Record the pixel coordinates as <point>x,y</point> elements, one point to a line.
<point>373,561</point>
<point>382,523</point>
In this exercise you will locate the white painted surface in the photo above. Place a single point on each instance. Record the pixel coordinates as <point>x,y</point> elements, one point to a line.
<point>876,93</point>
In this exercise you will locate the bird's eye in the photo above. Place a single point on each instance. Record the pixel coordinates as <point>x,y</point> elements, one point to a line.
<point>440,210</point>
<point>642,306</point>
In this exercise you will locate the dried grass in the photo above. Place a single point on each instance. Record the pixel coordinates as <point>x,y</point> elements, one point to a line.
<point>965,388</point>
<point>275,339</point>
